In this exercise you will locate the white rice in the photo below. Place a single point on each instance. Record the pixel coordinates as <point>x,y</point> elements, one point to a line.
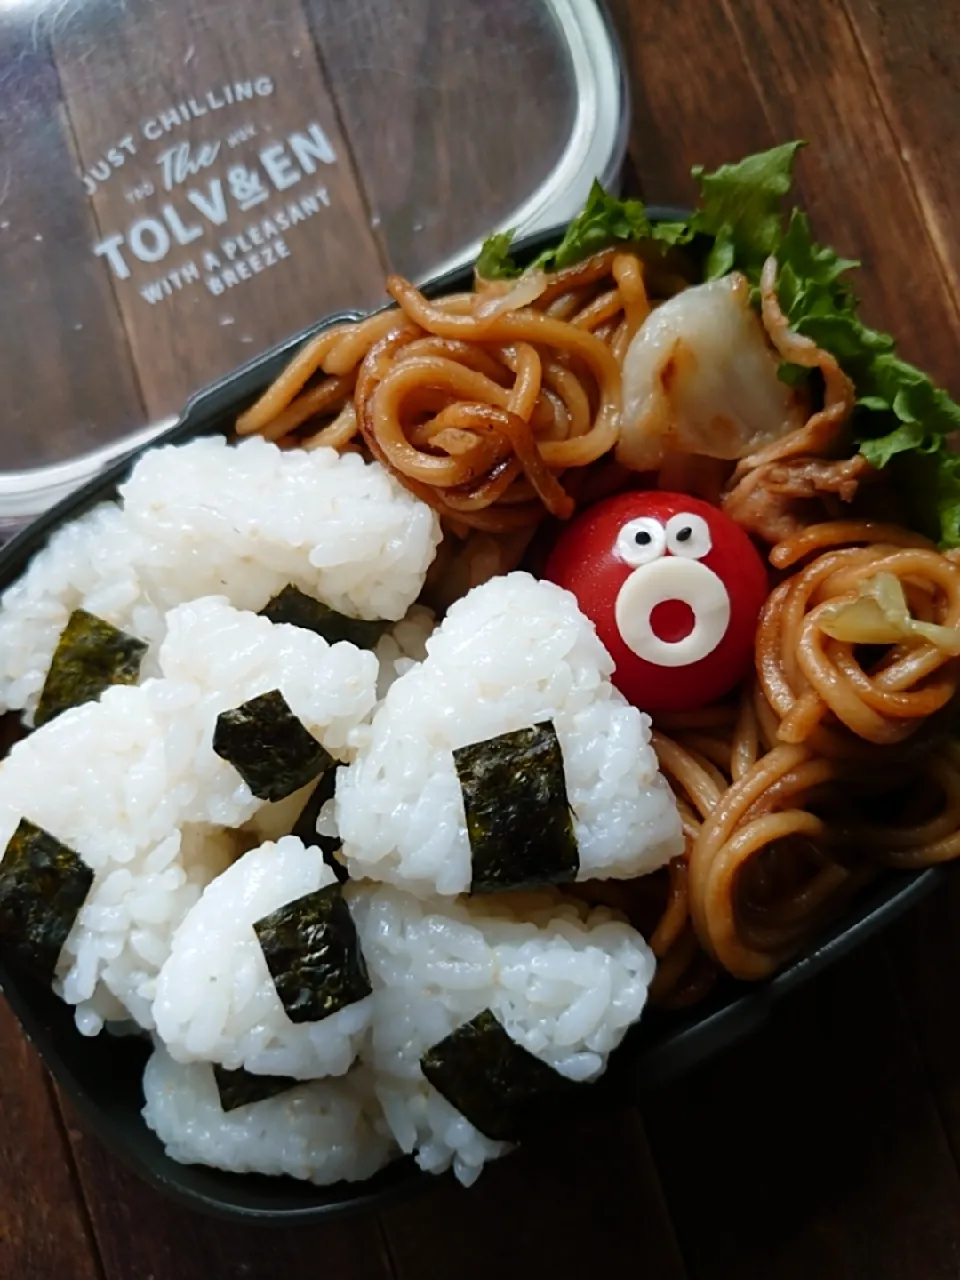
<point>403,646</point>
<point>511,653</point>
<point>94,563</point>
<point>398,650</point>
<point>326,1131</point>
<point>99,779</point>
<point>209,518</point>
<point>214,658</point>
<point>257,517</point>
<point>565,982</point>
<point>206,534</point>
<point>131,783</point>
<point>216,1001</point>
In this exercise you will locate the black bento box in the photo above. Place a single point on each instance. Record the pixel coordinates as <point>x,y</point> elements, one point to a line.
<point>102,1076</point>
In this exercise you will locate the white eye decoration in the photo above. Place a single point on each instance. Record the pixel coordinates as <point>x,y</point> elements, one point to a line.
<point>688,536</point>
<point>641,541</point>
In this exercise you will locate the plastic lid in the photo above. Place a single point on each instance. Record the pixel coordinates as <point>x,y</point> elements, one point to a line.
<point>181,188</point>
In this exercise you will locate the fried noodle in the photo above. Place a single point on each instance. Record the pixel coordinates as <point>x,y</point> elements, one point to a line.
<point>833,761</point>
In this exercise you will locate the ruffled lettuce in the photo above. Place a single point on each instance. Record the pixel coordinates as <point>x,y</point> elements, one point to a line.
<point>605,220</point>
<point>901,415</point>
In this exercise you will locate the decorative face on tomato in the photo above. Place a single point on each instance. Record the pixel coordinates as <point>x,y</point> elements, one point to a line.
<point>673,587</point>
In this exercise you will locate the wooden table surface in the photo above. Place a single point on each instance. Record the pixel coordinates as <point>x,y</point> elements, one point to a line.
<point>827,1145</point>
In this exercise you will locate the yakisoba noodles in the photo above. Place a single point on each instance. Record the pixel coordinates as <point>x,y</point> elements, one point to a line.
<point>479,402</point>
<point>495,406</point>
<point>818,742</point>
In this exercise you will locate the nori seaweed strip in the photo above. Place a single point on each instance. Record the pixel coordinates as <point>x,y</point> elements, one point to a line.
<point>501,1088</point>
<point>518,815</point>
<point>313,954</point>
<point>90,656</point>
<point>299,610</point>
<point>241,1088</point>
<point>43,885</point>
<point>269,747</point>
<point>305,827</point>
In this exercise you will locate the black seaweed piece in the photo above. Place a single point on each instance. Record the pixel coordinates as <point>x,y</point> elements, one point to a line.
<point>518,815</point>
<point>299,610</point>
<point>501,1088</point>
<point>305,827</point>
<point>269,747</point>
<point>43,885</point>
<point>313,954</point>
<point>90,656</point>
<point>241,1088</point>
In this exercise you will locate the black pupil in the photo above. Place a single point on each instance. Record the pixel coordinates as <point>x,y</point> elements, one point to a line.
<point>642,538</point>
<point>685,534</point>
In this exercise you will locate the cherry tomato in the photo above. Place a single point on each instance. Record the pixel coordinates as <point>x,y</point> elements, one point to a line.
<point>673,587</point>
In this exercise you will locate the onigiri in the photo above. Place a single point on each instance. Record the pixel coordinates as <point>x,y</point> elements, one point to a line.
<point>512,653</point>
<point>211,518</point>
<point>215,658</point>
<point>565,983</point>
<point>215,998</point>
<point>99,779</point>
<point>252,518</point>
<point>325,1131</point>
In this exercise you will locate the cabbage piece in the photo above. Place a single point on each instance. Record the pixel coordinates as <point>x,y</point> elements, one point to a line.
<point>880,615</point>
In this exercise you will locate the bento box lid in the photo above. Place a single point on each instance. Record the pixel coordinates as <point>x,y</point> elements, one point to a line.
<point>183,186</point>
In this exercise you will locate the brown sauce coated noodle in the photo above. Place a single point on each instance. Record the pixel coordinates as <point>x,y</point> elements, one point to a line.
<point>835,763</point>
<point>834,760</point>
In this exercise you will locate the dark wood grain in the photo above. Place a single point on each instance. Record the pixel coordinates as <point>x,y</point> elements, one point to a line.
<point>122,69</point>
<point>57,310</point>
<point>143,1236</point>
<point>43,1227</point>
<point>775,71</point>
<point>815,84</point>
<point>693,98</point>
<point>815,1148</point>
<point>433,97</point>
<point>582,1202</point>
<point>913,54</point>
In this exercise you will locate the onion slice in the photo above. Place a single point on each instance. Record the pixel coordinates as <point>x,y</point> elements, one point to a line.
<point>498,298</point>
<point>880,615</point>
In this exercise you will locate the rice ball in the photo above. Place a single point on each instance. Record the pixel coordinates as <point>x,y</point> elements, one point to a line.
<point>215,658</point>
<point>324,1132</point>
<point>565,982</point>
<point>215,998</point>
<point>512,653</point>
<point>211,518</point>
<point>251,518</point>
<point>99,779</point>
<point>95,563</point>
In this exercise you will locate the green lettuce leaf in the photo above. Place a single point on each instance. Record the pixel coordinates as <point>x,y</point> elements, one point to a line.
<point>672,233</point>
<point>947,471</point>
<point>931,483</point>
<point>741,210</point>
<point>605,220</point>
<point>901,415</point>
<point>900,412</point>
<point>494,262</point>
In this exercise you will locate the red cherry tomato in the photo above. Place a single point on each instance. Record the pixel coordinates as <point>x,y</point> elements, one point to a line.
<point>673,587</point>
